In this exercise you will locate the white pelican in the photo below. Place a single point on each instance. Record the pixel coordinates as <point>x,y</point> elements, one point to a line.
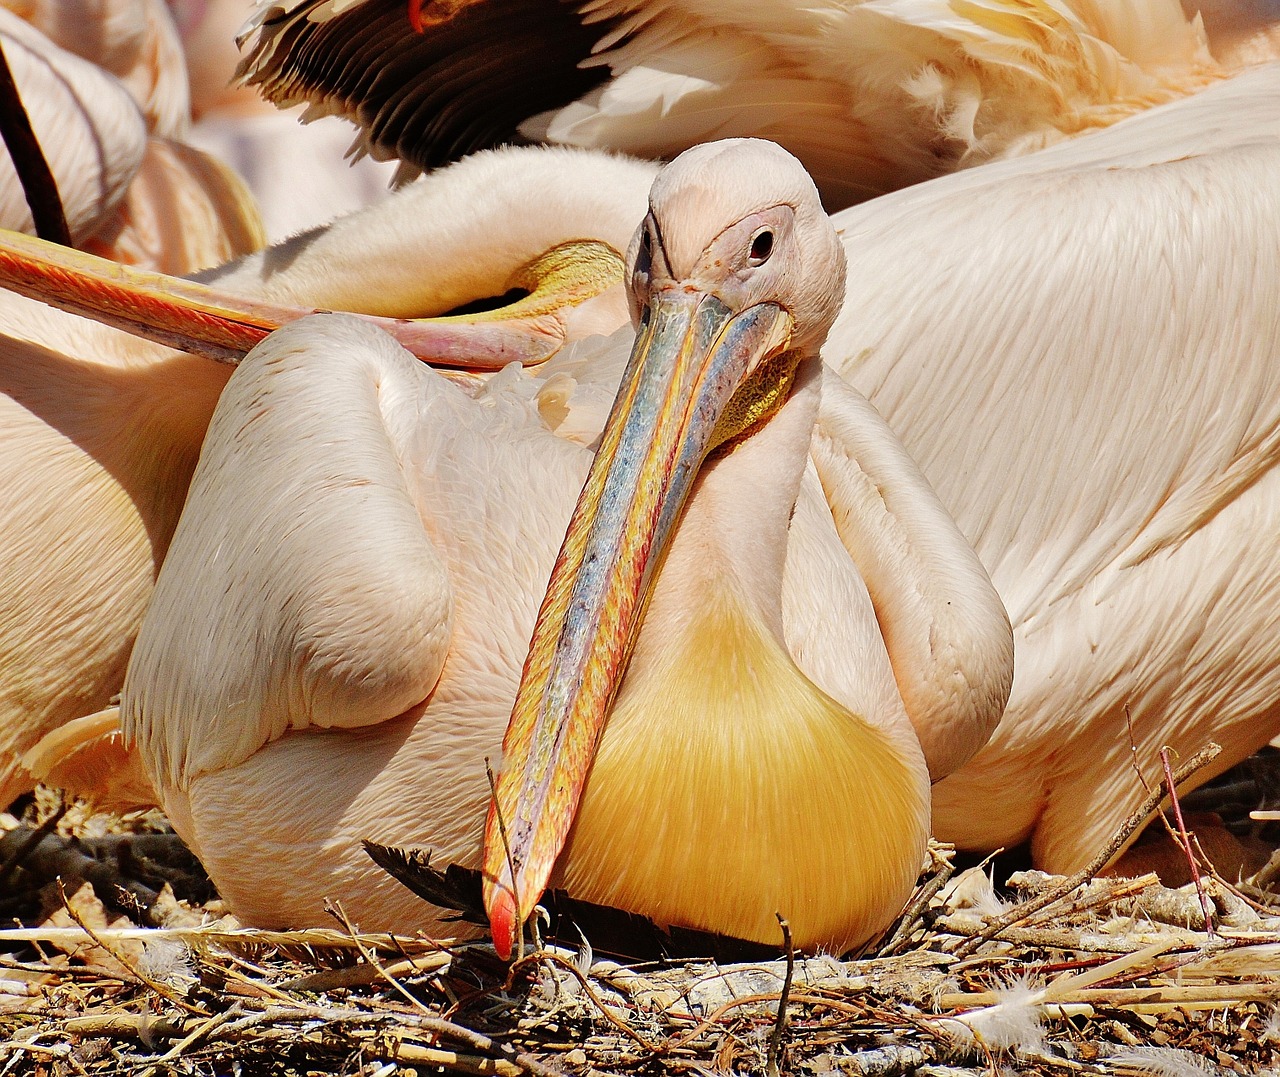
<point>93,136</point>
<point>296,171</point>
<point>339,626</point>
<point>871,96</point>
<point>134,40</point>
<point>99,432</point>
<point>1079,347</point>
<point>129,190</point>
<point>1015,324</point>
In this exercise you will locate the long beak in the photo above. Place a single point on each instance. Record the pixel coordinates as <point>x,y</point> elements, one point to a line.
<point>691,356</point>
<point>193,317</point>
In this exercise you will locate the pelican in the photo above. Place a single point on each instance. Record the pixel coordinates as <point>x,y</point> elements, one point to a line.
<point>796,634</point>
<point>870,96</point>
<point>101,431</point>
<point>133,40</point>
<point>100,89</point>
<point>1097,405</point>
<point>93,136</point>
<point>1021,324</point>
<point>297,172</point>
<point>94,452</point>
<point>875,97</point>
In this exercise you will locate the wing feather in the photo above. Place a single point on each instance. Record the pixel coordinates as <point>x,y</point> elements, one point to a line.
<point>1079,347</point>
<point>481,68</point>
<point>946,632</point>
<point>301,589</point>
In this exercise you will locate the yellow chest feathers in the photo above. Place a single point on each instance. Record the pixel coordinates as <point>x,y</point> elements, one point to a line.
<point>728,788</point>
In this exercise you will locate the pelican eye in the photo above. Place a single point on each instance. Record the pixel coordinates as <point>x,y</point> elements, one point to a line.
<point>761,247</point>
<point>644,256</point>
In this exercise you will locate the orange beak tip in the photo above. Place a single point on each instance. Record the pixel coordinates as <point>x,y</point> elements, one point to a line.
<point>504,922</point>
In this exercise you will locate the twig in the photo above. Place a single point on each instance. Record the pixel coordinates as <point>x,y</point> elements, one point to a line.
<point>914,912</point>
<point>451,1060</point>
<point>431,1022</point>
<point>161,989</point>
<point>718,1015</point>
<point>325,938</point>
<point>1180,835</point>
<point>779,1026</point>
<point>38,185</point>
<point>60,1051</point>
<point>1158,999</point>
<point>1185,841</point>
<point>596,1001</point>
<point>202,1030</point>
<point>335,909</point>
<point>1202,758</point>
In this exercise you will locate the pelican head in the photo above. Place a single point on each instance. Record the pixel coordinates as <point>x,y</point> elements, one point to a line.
<point>735,277</point>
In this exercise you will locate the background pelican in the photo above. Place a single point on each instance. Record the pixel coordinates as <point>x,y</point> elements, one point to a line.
<point>870,96</point>
<point>1098,406</point>
<point>300,174</point>
<point>98,431</point>
<point>340,624</point>
<point>94,135</point>
<point>101,431</point>
<point>105,88</point>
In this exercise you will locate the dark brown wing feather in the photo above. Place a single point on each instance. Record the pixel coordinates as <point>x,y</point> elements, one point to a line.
<point>612,932</point>
<point>480,69</point>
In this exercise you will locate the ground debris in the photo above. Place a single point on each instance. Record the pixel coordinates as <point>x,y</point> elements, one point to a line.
<point>1115,976</point>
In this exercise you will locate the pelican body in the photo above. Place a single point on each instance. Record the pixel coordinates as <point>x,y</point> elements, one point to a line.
<point>1078,345</point>
<point>341,629</point>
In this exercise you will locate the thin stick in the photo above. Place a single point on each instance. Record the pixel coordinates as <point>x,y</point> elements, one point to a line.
<point>335,909</point>
<point>779,1026</point>
<point>1185,841</point>
<point>506,848</point>
<point>202,1030</point>
<point>1202,758</point>
<point>1180,835</point>
<point>914,912</point>
<point>163,990</point>
<point>38,185</point>
<point>606,1013</point>
<point>439,1025</point>
<point>323,937</point>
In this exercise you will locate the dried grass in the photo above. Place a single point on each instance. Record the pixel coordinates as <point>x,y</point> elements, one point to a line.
<point>1112,976</point>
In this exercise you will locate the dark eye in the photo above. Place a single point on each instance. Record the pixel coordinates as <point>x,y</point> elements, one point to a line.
<point>644,256</point>
<point>761,247</point>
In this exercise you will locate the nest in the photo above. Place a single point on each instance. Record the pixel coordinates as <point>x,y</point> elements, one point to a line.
<point>1081,975</point>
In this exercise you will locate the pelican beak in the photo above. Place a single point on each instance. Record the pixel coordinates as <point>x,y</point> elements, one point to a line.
<point>183,314</point>
<point>699,374</point>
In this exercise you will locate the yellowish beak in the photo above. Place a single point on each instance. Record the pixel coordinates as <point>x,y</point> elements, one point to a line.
<point>679,399</point>
<point>194,317</point>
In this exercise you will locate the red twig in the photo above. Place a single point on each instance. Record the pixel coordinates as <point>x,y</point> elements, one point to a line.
<point>1185,839</point>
